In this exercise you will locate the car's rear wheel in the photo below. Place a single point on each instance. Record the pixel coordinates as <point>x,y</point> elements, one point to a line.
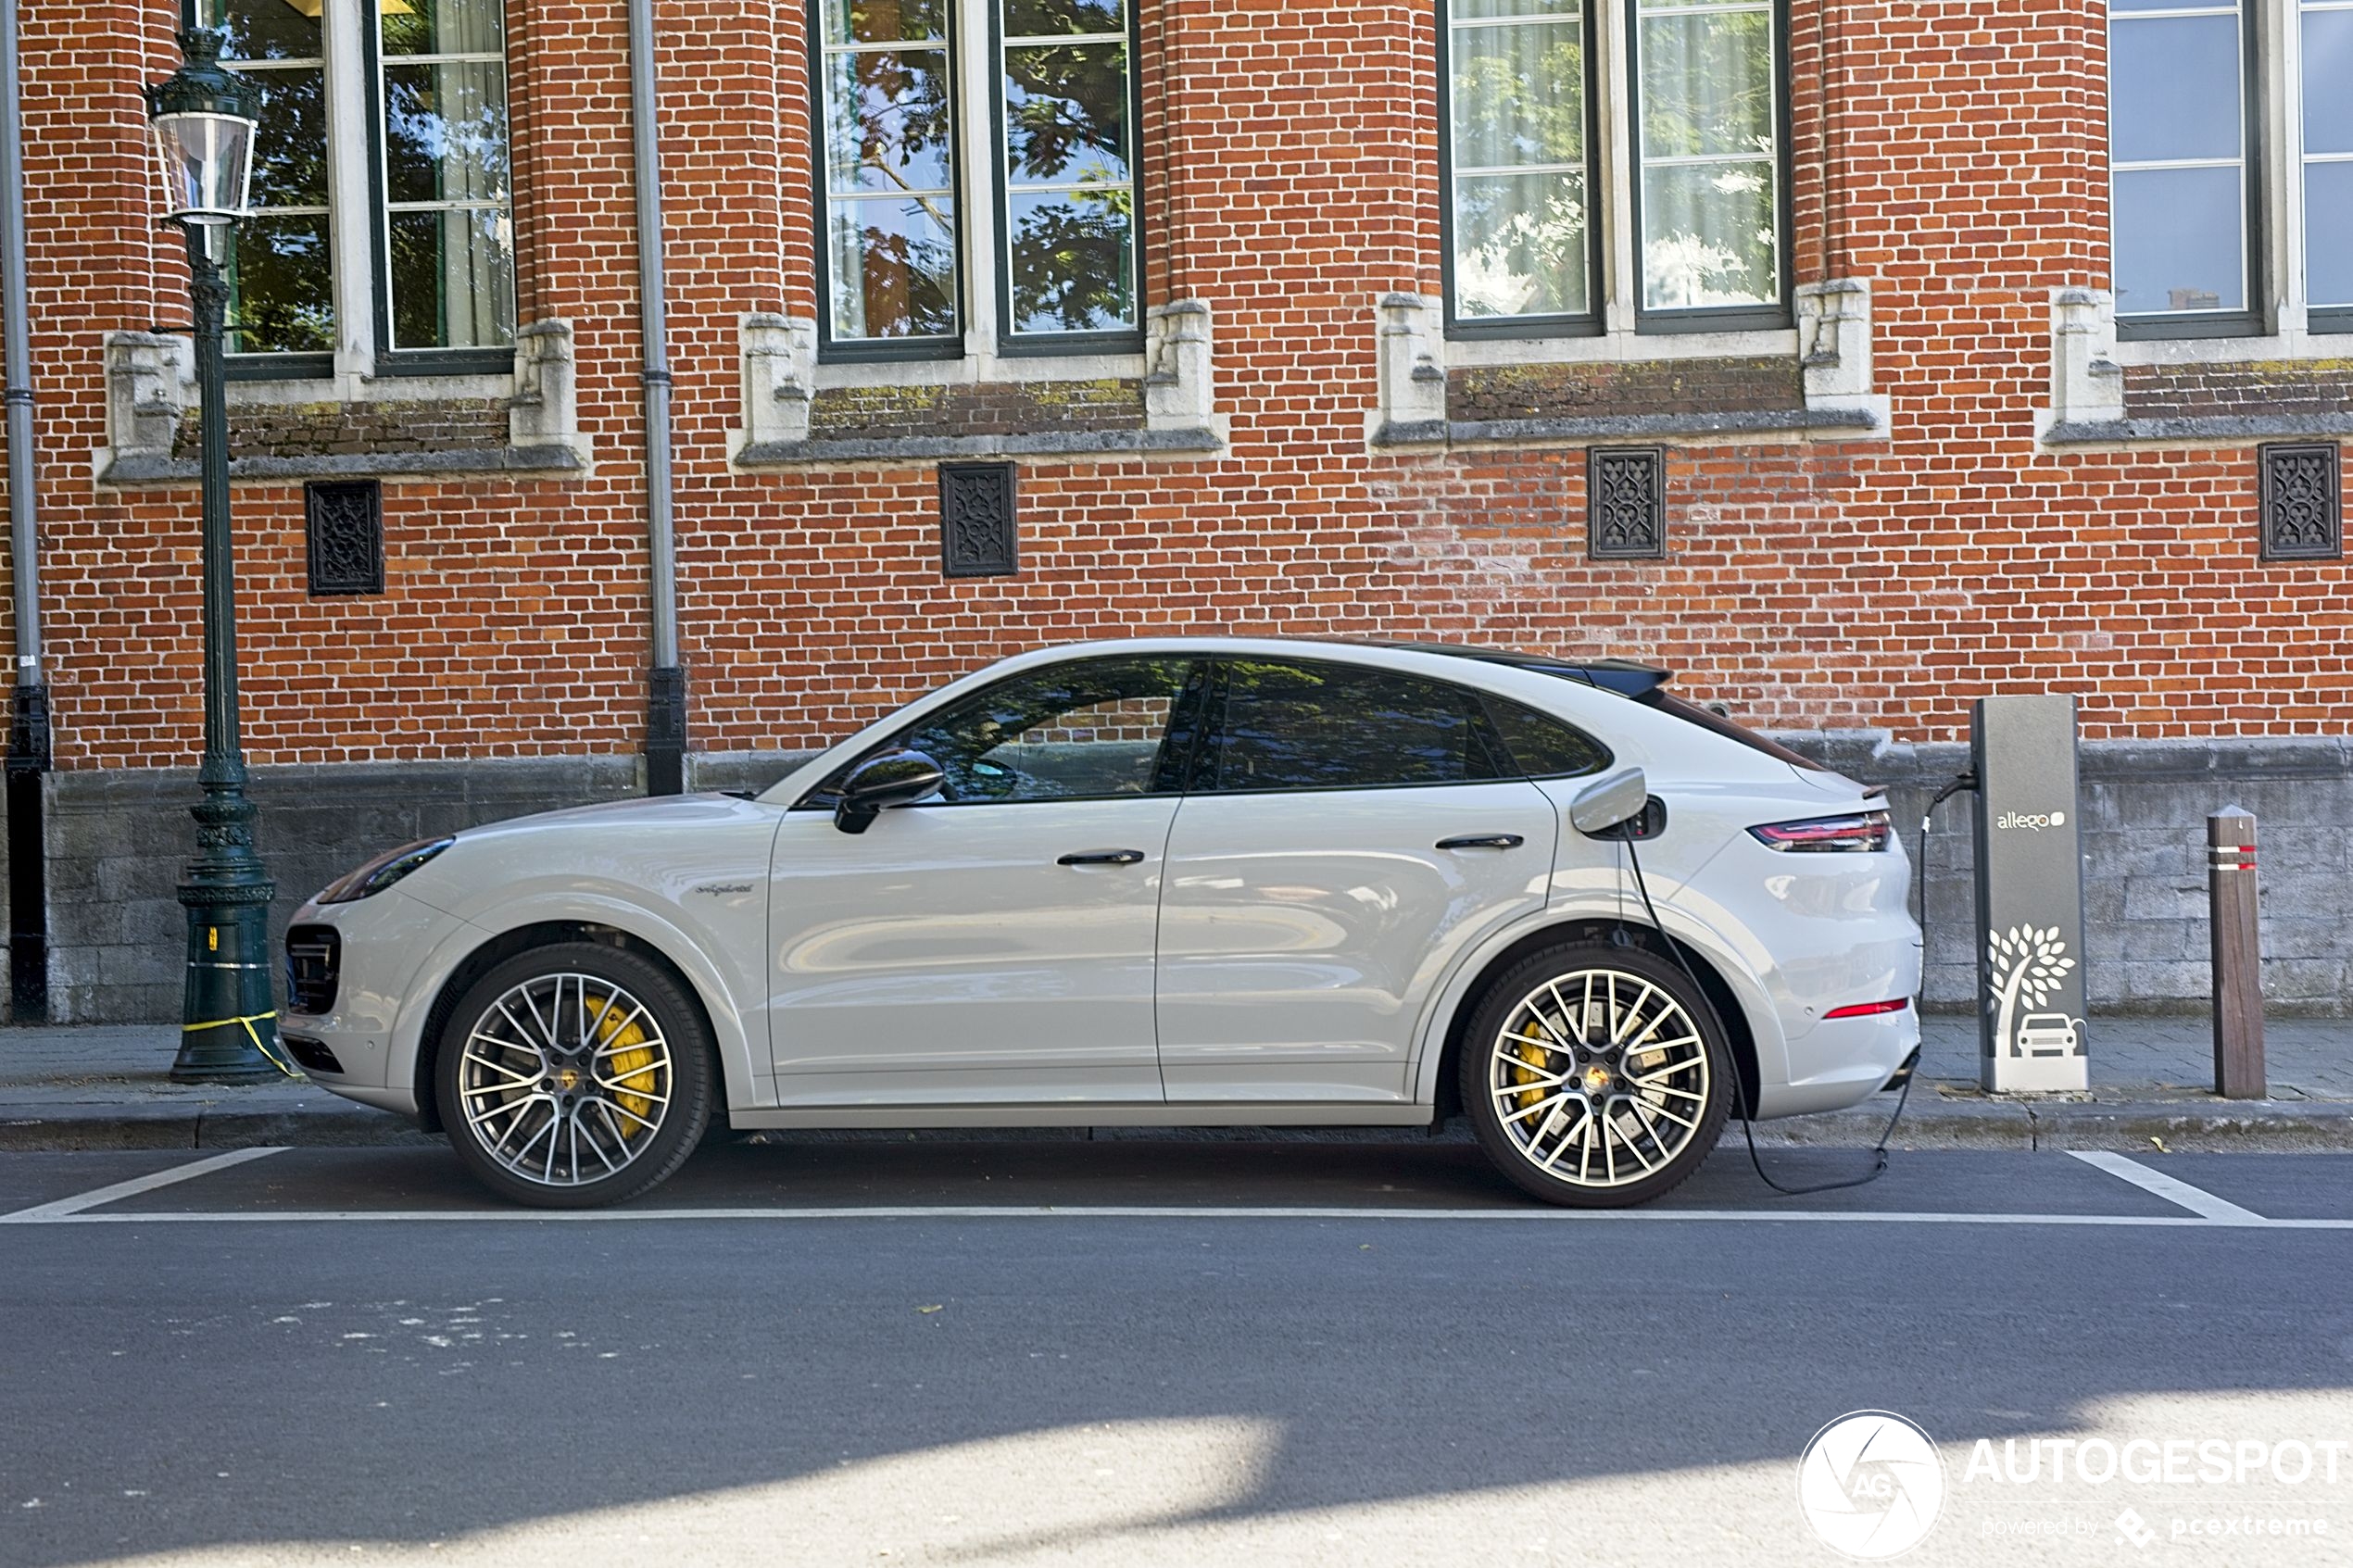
<point>1596,1076</point>
<point>574,1075</point>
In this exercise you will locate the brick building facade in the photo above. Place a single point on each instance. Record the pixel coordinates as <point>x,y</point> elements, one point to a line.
<point>1830,352</point>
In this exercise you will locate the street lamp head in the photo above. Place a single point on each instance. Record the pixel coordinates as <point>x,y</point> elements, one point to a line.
<point>203,115</point>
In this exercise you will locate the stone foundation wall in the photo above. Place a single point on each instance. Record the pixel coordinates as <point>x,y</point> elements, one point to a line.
<point>2144,805</point>
<point>117,839</point>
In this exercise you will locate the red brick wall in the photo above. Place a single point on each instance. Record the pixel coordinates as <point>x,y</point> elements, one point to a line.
<point>1289,179</point>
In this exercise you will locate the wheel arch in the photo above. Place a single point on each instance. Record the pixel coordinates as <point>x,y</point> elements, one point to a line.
<point>517,940</point>
<point>1739,1029</point>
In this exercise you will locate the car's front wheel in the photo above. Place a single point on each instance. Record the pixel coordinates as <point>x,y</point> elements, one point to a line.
<point>574,1075</point>
<point>1596,1076</point>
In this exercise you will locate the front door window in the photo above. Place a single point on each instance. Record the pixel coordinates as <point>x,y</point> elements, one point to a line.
<point>1087,732</point>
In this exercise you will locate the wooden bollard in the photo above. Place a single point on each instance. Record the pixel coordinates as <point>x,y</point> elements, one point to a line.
<point>2238,955</point>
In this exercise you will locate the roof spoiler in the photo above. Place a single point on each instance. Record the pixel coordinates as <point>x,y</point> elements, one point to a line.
<point>1620,675</point>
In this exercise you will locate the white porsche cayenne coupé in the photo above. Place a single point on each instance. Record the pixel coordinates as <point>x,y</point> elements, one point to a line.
<point>1174,880</point>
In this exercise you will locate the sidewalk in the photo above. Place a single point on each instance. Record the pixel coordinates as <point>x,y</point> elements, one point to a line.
<point>101,1086</point>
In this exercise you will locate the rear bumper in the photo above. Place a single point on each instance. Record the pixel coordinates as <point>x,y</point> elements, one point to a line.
<point>1852,1059</point>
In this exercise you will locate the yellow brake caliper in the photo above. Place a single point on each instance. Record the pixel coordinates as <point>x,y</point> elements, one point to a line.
<point>1533,1055</point>
<point>629,1070</point>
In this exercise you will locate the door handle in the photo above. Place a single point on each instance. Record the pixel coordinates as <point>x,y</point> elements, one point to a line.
<point>1482,841</point>
<point>1102,857</point>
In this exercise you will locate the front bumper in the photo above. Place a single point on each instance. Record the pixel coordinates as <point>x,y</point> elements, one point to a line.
<point>381,944</point>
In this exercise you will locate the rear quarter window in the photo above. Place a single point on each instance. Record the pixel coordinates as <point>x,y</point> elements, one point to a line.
<point>1543,746</point>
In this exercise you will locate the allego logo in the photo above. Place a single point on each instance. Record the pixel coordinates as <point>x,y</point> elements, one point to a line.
<point>2034,821</point>
<point>1871,1484</point>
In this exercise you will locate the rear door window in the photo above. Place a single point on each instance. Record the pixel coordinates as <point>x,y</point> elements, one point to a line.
<point>1302,725</point>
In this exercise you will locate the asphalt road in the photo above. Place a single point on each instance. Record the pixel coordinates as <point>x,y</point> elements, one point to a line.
<point>1146,1353</point>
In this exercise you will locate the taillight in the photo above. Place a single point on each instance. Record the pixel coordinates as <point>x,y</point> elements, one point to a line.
<point>1858,834</point>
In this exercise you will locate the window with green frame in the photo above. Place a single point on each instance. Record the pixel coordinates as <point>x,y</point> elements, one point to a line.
<point>1529,203</point>
<point>1519,143</point>
<point>426,85</point>
<point>2206,239</point>
<point>1709,193</point>
<point>282,268</point>
<point>1014,214</point>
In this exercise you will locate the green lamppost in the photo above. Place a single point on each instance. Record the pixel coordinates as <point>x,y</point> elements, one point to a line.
<point>204,125</point>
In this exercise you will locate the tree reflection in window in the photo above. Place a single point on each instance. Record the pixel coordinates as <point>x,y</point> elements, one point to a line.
<point>1070,220</point>
<point>1332,726</point>
<point>889,150</point>
<point>1708,87</point>
<point>280,268</point>
<point>1073,732</point>
<point>1516,95</point>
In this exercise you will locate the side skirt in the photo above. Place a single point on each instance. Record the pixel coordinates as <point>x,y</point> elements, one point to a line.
<point>1226,1114</point>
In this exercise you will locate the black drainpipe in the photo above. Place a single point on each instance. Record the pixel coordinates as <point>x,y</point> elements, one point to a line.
<point>29,704</point>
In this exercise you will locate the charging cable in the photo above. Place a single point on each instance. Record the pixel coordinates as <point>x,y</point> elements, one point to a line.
<point>1740,1090</point>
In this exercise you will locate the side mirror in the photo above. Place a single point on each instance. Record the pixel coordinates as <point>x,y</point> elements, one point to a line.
<point>895,778</point>
<point>1617,797</point>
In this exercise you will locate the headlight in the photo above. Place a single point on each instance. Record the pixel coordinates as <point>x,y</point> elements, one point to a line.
<point>383,871</point>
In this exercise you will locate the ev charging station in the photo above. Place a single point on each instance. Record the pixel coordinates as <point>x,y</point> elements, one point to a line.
<point>2029,894</point>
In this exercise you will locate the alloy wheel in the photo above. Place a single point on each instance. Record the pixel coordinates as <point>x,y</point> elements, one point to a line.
<point>565,1079</point>
<point>1599,1078</point>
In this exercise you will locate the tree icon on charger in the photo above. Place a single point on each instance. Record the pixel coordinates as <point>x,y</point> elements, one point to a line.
<point>2027,963</point>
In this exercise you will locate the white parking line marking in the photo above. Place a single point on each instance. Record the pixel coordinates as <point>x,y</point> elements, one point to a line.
<point>66,1208</point>
<point>1127,1211</point>
<point>2198,1200</point>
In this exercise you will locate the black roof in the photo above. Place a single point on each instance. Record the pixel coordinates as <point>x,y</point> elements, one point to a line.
<point>1623,676</point>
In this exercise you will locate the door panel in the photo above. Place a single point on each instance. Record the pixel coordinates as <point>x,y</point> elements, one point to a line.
<point>945,957</point>
<point>1301,933</point>
<point>994,948</point>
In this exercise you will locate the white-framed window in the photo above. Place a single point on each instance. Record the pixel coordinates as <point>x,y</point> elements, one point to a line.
<point>1003,217</point>
<point>2231,166</point>
<point>1615,160</point>
<point>383,224</point>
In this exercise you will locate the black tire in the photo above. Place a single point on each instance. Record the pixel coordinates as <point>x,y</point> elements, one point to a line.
<point>640,1089</point>
<point>1577,1113</point>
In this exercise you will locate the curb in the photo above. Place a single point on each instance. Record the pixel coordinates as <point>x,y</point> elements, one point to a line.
<point>324,1122</point>
<point>2180,1126</point>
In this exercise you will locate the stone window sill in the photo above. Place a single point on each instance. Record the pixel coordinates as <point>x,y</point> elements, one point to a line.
<point>526,423</point>
<point>977,370</point>
<point>141,470</point>
<point>255,390</point>
<point>1796,424</point>
<point>2290,343</point>
<point>1806,382</point>
<point>798,411</point>
<point>1047,444</point>
<point>2200,432</point>
<point>1618,348</point>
